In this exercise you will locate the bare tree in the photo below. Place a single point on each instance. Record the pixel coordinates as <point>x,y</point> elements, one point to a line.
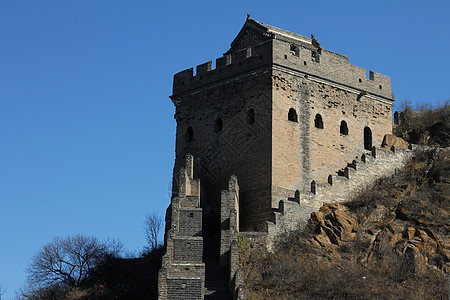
<point>69,261</point>
<point>1,291</point>
<point>152,226</point>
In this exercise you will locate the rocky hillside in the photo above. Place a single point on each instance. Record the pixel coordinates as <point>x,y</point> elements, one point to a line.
<point>392,242</point>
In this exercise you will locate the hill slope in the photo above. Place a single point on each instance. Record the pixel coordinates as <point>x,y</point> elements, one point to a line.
<point>392,242</point>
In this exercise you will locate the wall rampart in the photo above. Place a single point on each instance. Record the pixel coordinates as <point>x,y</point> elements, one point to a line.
<point>331,66</point>
<point>346,184</point>
<point>227,66</point>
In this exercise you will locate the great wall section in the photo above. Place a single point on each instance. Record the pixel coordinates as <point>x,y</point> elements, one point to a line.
<point>198,267</point>
<point>342,186</point>
<point>278,128</point>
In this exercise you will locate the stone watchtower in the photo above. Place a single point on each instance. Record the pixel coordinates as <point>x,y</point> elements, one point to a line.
<point>263,139</point>
<point>278,111</point>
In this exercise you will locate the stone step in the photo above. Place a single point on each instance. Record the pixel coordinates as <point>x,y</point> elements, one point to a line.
<point>336,179</point>
<point>216,282</point>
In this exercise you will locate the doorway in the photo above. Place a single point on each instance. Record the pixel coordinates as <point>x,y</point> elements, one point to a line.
<point>367,138</point>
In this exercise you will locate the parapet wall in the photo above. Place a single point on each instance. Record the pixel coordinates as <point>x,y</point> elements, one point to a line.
<point>322,63</point>
<point>292,213</point>
<point>333,67</point>
<point>226,66</point>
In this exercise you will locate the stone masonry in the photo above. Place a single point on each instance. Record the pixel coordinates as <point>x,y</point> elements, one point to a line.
<point>191,268</point>
<point>297,125</point>
<point>348,182</point>
<point>182,275</point>
<point>278,111</point>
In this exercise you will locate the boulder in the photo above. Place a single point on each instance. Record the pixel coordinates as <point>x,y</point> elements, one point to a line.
<point>332,225</point>
<point>390,140</point>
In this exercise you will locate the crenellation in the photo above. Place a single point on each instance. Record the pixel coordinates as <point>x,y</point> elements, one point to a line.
<point>204,68</point>
<point>334,68</point>
<point>226,66</point>
<point>241,55</point>
<point>223,61</point>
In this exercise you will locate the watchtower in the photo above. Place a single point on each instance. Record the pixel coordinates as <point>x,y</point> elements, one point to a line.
<point>278,111</point>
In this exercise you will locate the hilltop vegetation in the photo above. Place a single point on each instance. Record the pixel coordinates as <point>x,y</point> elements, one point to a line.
<point>425,125</point>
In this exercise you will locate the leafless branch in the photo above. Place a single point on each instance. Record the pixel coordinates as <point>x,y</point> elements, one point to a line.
<point>152,226</point>
<point>69,261</point>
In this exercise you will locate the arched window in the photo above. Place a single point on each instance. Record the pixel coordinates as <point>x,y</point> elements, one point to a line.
<point>344,129</point>
<point>297,196</point>
<point>318,121</point>
<point>292,115</point>
<point>313,187</point>
<point>189,134</point>
<point>250,117</point>
<point>218,125</point>
<point>367,138</point>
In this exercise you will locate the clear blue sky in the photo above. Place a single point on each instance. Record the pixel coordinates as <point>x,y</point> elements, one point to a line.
<point>86,125</point>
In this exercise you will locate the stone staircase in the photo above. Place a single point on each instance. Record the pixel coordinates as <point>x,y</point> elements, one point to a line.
<point>342,186</point>
<point>201,259</point>
<point>217,282</point>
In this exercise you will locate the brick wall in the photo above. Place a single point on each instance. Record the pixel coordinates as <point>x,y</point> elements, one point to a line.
<point>190,223</point>
<point>360,174</point>
<point>300,150</point>
<point>188,249</point>
<point>182,274</point>
<point>184,289</point>
<point>240,147</point>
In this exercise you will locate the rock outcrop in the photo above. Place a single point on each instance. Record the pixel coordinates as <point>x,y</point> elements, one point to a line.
<point>405,217</point>
<point>390,140</point>
<point>332,226</point>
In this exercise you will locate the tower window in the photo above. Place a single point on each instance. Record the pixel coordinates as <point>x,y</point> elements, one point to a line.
<point>292,115</point>
<point>189,134</point>
<point>315,56</point>
<point>295,50</point>
<point>344,129</point>
<point>318,123</point>
<point>250,117</point>
<point>218,125</point>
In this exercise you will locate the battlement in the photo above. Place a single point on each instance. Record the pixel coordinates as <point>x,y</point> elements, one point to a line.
<point>305,59</point>
<point>334,67</point>
<point>227,66</point>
